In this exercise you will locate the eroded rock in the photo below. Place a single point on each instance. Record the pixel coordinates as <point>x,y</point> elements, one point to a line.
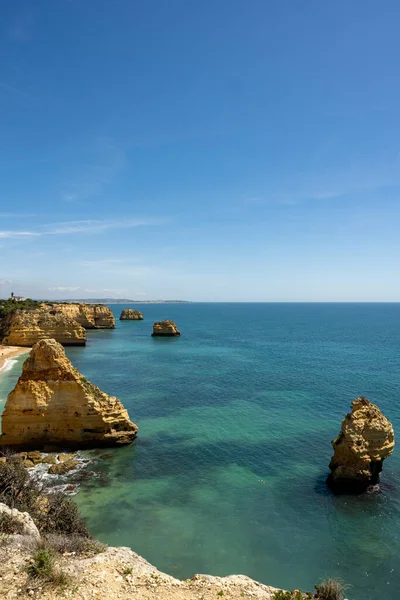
<point>26,327</point>
<point>365,440</point>
<point>165,328</point>
<point>90,316</point>
<point>53,405</point>
<point>131,314</point>
<point>63,467</point>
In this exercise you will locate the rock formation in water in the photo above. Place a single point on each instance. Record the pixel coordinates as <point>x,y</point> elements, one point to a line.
<point>131,314</point>
<point>26,327</point>
<point>90,316</point>
<point>165,328</point>
<point>52,404</point>
<point>365,440</point>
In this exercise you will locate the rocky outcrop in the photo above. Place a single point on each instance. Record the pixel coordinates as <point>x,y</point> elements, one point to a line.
<point>63,467</point>
<point>117,573</point>
<point>54,405</point>
<point>165,328</point>
<point>23,521</point>
<point>131,314</point>
<point>26,327</point>
<point>90,316</point>
<point>365,440</point>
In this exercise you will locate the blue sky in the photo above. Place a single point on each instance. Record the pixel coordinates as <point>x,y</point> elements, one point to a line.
<point>215,150</point>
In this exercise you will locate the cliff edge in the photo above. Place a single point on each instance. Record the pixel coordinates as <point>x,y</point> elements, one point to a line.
<point>90,316</point>
<point>116,574</point>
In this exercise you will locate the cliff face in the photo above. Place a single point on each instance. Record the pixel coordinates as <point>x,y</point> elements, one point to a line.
<point>365,440</point>
<point>165,328</point>
<point>53,404</point>
<point>26,327</point>
<point>131,314</point>
<point>90,316</point>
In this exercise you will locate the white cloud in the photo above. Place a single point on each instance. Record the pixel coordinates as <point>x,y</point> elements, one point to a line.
<point>84,226</point>
<point>90,226</point>
<point>18,234</point>
<point>100,290</point>
<point>61,288</point>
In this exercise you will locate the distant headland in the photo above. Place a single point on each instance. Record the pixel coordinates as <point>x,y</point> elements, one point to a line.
<point>123,301</point>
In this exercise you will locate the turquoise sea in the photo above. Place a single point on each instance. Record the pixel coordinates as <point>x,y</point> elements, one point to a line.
<point>236,418</point>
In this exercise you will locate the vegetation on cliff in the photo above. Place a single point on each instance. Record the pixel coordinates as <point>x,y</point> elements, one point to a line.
<point>9,306</point>
<point>52,513</point>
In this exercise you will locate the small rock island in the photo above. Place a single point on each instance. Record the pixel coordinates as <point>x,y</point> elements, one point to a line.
<point>131,314</point>
<point>165,328</point>
<point>52,404</point>
<point>365,440</point>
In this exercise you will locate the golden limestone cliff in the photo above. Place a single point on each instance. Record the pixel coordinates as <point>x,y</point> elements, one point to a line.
<point>26,327</point>
<point>365,440</point>
<point>52,404</point>
<point>165,328</point>
<point>90,316</point>
<point>131,314</point>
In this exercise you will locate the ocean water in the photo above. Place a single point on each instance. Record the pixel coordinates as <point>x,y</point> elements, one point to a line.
<point>235,422</point>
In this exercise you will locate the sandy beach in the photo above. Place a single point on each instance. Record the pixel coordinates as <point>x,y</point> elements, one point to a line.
<point>7,352</point>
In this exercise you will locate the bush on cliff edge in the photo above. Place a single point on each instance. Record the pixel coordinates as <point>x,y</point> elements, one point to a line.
<point>51,512</point>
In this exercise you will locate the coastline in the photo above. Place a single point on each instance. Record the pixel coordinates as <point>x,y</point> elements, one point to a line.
<point>8,352</point>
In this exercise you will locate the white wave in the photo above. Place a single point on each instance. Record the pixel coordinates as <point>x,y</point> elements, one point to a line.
<point>8,365</point>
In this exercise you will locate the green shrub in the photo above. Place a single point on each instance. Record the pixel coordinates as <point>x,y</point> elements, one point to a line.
<point>17,489</point>
<point>331,589</point>
<point>43,568</point>
<point>51,512</point>
<point>9,306</point>
<point>294,595</point>
<point>62,516</point>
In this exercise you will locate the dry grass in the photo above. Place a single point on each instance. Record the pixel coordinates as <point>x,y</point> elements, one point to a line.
<point>72,544</point>
<point>331,589</point>
<point>9,525</point>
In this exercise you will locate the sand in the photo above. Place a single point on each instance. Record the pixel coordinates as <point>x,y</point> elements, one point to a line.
<point>7,352</point>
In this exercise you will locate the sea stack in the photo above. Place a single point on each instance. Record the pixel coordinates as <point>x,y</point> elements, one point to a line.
<point>365,440</point>
<point>131,314</point>
<point>52,404</point>
<point>165,328</point>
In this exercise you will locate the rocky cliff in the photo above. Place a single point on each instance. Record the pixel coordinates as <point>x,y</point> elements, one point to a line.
<point>90,316</point>
<point>26,327</point>
<point>365,440</point>
<point>54,405</point>
<point>165,328</point>
<point>131,314</point>
<point>115,574</point>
